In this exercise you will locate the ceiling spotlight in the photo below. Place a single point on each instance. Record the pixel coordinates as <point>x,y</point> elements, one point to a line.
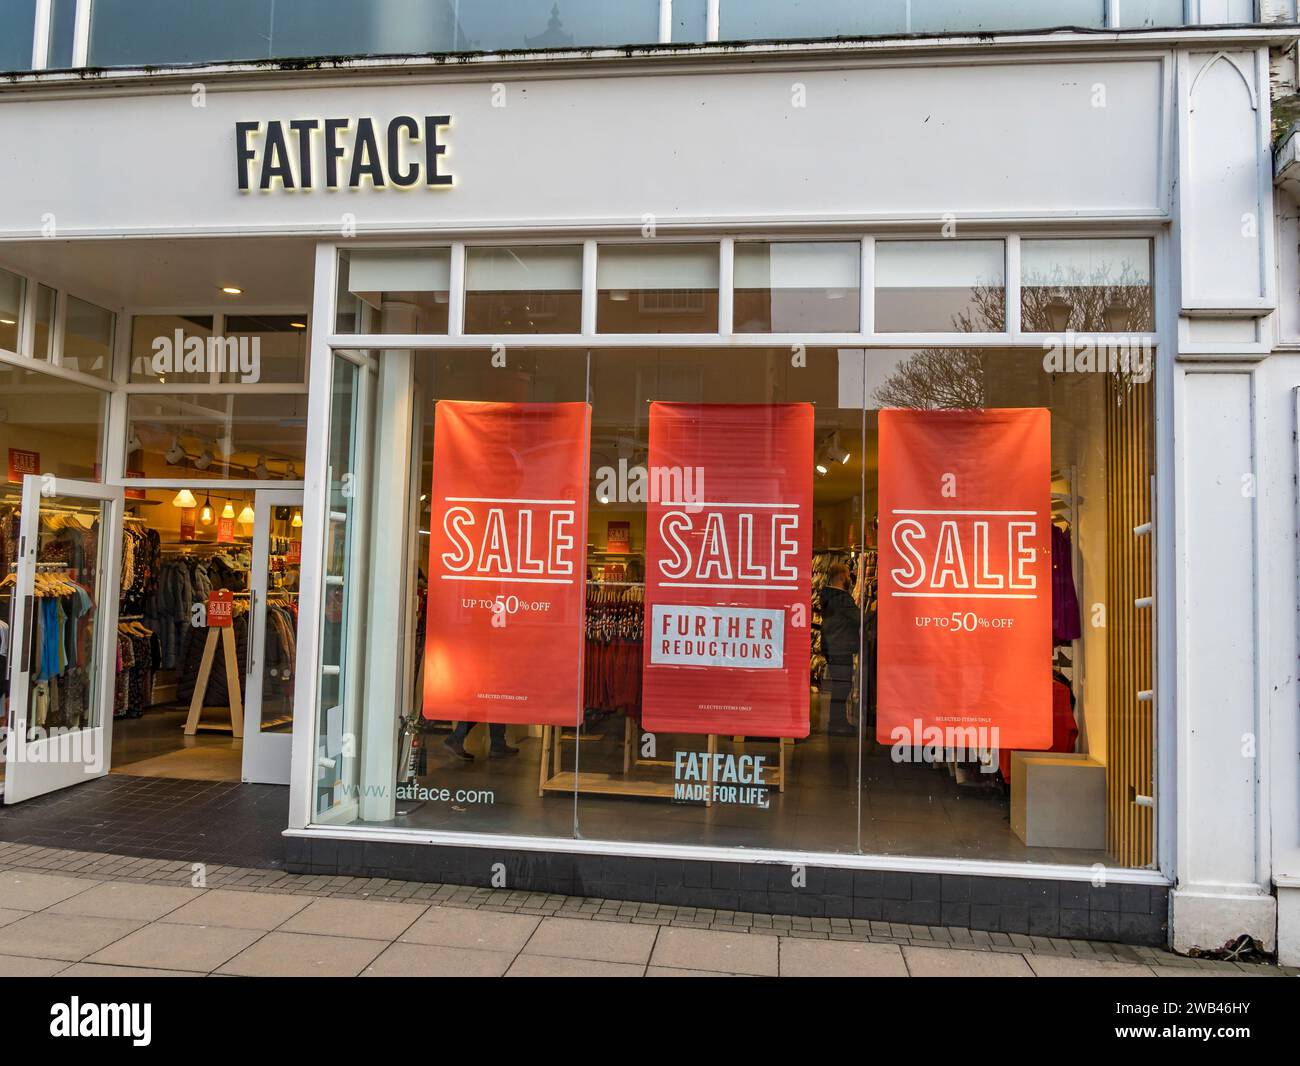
<point>175,454</point>
<point>260,469</point>
<point>134,445</point>
<point>232,290</point>
<point>228,511</point>
<point>292,475</point>
<point>297,519</point>
<point>246,516</point>
<point>835,451</point>
<point>298,325</point>
<point>204,461</point>
<point>205,515</point>
<point>822,469</point>
<point>8,322</point>
<point>184,498</point>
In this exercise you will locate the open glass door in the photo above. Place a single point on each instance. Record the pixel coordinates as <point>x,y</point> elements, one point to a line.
<point>64,640</point>
<point>272,635</point>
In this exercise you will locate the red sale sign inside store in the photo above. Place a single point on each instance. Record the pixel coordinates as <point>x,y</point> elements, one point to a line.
<point>728,569</point>
<point>965,600</point>
<point>507,573</point>
<point>221,604</point>
<point>22,463</point>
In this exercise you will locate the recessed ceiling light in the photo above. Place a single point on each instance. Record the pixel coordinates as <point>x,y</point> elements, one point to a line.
<point>298,325</point>
<point>232,290</point>
<point>7,322</point>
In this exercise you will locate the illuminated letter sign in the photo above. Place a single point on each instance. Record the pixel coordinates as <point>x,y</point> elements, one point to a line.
<point>341,153</point>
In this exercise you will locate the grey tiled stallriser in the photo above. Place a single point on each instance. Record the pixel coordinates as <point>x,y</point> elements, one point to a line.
<point>1129,914</point>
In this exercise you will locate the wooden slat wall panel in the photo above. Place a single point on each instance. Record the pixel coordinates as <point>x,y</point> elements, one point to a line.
<point>1130,757</point>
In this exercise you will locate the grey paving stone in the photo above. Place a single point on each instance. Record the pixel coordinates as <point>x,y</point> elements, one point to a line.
<point>706,949</point>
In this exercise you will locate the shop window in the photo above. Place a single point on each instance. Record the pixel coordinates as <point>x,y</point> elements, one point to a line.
<point>12,289</point>
<point>88,338</point>
<point>1098,286</point>
<point>49,426</point>
<point>231,436</point>
<point>523,290</point>
<point>47,301</point>
<point>952,286</point>
<point>795,287</point>
<point>17,31</point>
<point>657,288</point>
<point>163,346</point>
<point>276,347</point>
<point>771,605</point>
<point>394,291</point>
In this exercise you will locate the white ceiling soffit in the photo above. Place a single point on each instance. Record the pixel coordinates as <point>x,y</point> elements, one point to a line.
<point>272,271</point>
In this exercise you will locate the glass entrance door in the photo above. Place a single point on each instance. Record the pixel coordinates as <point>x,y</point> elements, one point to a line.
<point>272,635</point>
<point>64,591</point>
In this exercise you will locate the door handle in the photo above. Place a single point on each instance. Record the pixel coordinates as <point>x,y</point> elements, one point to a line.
<point>27,633</point>
<point>249,642</point>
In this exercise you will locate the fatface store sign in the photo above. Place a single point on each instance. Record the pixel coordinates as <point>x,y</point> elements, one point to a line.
<point>342,153</point>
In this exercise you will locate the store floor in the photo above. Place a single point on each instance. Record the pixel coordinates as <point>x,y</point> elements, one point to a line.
<point>916,810</point>
<point>155,745</point>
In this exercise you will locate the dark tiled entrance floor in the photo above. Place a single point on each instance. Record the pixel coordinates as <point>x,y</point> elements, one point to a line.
<point>217,822</point>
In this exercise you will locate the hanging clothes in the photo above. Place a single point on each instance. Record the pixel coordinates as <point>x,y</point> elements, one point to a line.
<point>615,625</point>
<point>1066,624</point>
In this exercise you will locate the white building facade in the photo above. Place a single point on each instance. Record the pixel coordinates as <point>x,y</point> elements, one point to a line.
<point>1084,220</point>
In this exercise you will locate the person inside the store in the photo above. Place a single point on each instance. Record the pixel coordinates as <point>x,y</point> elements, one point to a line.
<point>841,627</point>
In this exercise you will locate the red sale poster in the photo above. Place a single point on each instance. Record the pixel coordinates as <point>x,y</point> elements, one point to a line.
<point>507,563</point>
<point>965,602</point>
<point>728,569</point>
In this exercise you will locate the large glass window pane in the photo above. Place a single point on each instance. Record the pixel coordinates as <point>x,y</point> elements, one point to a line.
<point>1137,13</point>
<point>144,32</point>
<point>1089,475</point>
<point>63,28</point>
<point>657,288</point>
<point>671,750</point>
<point>421,767</point>
<point>723,639</point>
<point>47,301</point>
<point>136,32</point>
<point>17,31</point>
<point>940,286</point>
<point>780,19</point>
<point>690,21</point>
<point>1101,286</point>
<point>257,437</point>
<point>401,290</point>
<point>272,349</point>
<point>160,345</point>
<point>491,25</point>
<point>344,616</point>
<point>56,425</point>
<point>12,289</point>
<point>795,286</point>
<point>970,16</point>
<point>523,290</point>
<point>88,338</point>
